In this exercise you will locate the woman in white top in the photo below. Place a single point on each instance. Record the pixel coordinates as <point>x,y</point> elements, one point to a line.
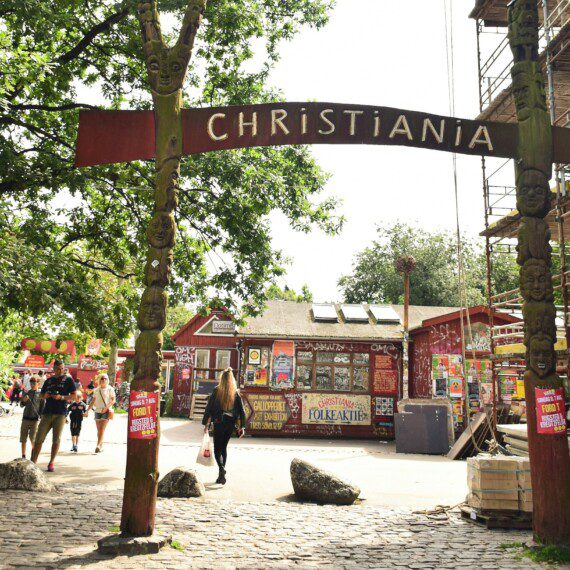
<point>103,400</point>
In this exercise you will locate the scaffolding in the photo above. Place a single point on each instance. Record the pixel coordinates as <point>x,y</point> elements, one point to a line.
<point>496,103</point>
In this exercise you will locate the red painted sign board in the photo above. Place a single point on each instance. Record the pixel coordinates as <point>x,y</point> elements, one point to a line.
<point>142,415</point>
<point>34,361</point>
<point>550,411</point>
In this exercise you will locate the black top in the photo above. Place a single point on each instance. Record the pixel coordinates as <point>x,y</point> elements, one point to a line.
<point>214,410</point>
<point>34,405</point>
<point>76,411</point>
<point>62,385</point>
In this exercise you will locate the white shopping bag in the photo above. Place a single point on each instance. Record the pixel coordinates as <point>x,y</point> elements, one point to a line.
<point>206,453</point>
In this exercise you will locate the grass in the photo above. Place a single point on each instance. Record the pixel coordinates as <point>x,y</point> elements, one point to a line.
<point>114,529</point>
<point>545,554</point>
<point>177,545</point>
<point>120,411</point>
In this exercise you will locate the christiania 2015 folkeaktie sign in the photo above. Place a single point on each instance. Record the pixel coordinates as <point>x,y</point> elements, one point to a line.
<point>121,136</point>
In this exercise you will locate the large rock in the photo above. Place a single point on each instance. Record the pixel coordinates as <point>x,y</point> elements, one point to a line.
<point>23,475</point>
<point>313,484</point>
<point>181,482</point>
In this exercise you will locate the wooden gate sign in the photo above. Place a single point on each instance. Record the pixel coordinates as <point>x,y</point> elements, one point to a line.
<point>121,136</point>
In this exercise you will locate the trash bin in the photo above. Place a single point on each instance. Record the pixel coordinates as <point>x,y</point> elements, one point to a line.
<point>162,406</point>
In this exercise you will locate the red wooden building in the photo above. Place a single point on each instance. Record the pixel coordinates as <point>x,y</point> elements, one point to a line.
<point>204,347</point>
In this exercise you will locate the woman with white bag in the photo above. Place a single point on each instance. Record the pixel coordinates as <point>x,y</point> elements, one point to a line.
<point>224,409</point>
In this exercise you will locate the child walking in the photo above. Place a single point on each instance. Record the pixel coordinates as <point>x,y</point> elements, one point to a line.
<point>76,411</point>
<point>33,408</point>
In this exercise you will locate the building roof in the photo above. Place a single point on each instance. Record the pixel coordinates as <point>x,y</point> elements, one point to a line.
<point>286,319</point>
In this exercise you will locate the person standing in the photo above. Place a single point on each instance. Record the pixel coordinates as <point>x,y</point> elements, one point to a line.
<point>41,379</point>
<point>57,391</point>
<point>103,401</point>
<point>33,407</point>
<point>26,381</point>
<point>16,391</point>
<point>223,409</point>
<point>76,411</point>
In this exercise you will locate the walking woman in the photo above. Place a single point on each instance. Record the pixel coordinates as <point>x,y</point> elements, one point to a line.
<point>103,400</point>
<point>224,408</point>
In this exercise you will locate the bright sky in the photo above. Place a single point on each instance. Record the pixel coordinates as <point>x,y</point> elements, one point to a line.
<point>388,54</point>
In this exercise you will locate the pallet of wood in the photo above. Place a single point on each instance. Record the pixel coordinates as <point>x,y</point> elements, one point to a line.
<point>497,519</point>
<point>515,438</point>
<point>499,483</point>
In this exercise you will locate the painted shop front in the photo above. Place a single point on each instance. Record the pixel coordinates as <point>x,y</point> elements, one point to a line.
<point>324,370</point>
<point>437,369</point>
<point>204,347</point>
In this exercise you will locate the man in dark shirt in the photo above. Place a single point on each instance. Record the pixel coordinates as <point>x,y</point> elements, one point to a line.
<point>57,391</point>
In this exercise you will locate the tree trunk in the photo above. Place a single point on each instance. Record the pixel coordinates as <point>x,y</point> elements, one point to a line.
<point>113,352</point>
<point>166,71</point>
<point>549,457</point>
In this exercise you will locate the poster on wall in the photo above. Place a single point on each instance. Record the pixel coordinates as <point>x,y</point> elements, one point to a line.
<point>268,412</point>
<point>142,415</point>
<point>345,409</point>
<point>283,366</point>
<point>384,406</point>
<point>478,337</point>
<point>385,379</point>
<point>550,411</point>
<point>185,359</point>
<point>257,366</point>
<point>507,385</point>
<point>439,374</point>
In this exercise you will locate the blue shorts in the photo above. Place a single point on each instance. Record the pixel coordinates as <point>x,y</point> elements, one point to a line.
<point>99,416</point>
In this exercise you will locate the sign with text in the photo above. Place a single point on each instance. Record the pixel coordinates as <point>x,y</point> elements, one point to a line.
<point>385,377</point>
<point>223,327</point>
<point>338,409</point>
<point>142,415</point>
<point>283,364</point>
<point>269,411</point>
<point>34,361</point>
<point>550,411</point>
<point>121,136</point>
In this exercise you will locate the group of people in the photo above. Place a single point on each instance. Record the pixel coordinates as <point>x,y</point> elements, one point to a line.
<point>49,404</point>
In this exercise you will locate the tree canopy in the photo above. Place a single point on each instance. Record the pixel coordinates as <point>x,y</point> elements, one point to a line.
<point>275,292</point>
<point>81,231</point>
<point>434,281</point>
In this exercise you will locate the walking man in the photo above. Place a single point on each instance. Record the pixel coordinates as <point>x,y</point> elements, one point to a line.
<point>57,391</point>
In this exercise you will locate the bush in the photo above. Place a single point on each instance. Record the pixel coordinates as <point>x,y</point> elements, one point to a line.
<point>168,406</point>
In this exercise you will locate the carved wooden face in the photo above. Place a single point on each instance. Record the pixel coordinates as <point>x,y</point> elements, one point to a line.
<point>160,231</point>
<point>167,69</point>
<point>534,240</point>
<point>539,318</point>
<point>542,357</point>
<point>528,89</point>
<point>523,23</point>
<point>158,266</point>
<point>152,312</point>
<point>536,281</point>
<point>533,194</point>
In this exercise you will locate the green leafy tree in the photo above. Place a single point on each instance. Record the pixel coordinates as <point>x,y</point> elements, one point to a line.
<point>434,280</point>
<point>274,292</point>
<point>176,318</point>
<point>59,57</point>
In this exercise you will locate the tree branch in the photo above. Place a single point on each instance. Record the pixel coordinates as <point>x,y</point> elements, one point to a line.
<point>100,28</point>
<point>65,107</point>
<point>191,22</point>
<point>102,267</point>
<point>150,22</point>
<point>34,129</point>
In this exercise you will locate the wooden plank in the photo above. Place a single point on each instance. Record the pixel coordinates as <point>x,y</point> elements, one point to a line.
<point>464,440</point>
<point>497,520</point>
<point>516,430</point>
<point>517,443</point>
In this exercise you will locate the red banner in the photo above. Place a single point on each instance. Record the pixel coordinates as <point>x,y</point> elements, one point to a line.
<point>142,415</point>
<point>550,411</point>
<point>49,346</point>
<point>34,361</point>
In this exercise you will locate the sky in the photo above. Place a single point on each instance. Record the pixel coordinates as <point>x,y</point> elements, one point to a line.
<point>388,54</point>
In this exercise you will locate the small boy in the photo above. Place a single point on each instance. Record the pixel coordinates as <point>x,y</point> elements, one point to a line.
<point>75,411</point>
<point>33,408</point>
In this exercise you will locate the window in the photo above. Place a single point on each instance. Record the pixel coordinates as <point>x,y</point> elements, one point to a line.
<point>202,363</point>
<point>223,359</point>
<point>328,371</point>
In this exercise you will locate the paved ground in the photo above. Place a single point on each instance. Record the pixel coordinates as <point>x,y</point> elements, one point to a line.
<point>251,522</point>
<point>60,531</point>
<point>258,468</point>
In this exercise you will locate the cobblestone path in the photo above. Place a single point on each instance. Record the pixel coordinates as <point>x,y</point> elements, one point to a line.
<point>61,530</point>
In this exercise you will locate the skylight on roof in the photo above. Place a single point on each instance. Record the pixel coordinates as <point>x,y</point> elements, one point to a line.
<point>384,314</point>
<point>354,313</point>
<point>324,312</point>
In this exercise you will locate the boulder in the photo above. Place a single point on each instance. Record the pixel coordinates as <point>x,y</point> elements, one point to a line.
<point>23,475</point>
<point>181,482</point>
<point>313,484</point>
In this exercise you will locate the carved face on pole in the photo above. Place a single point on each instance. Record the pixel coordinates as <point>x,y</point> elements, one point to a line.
<point>160,231</point>
<point>534,240</point>
<point>523,29</point>
<point>536,281</point>
<point>152,312</point>
<point>542,357</point>
<point>158,265</point>
<point>167,68</point>
<point>528,89</point>
<point>533,194</point>
<point>539,318</point>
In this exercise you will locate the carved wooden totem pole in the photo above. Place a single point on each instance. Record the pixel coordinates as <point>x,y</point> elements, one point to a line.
<point>550,461</point>
<point>166,67</point>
